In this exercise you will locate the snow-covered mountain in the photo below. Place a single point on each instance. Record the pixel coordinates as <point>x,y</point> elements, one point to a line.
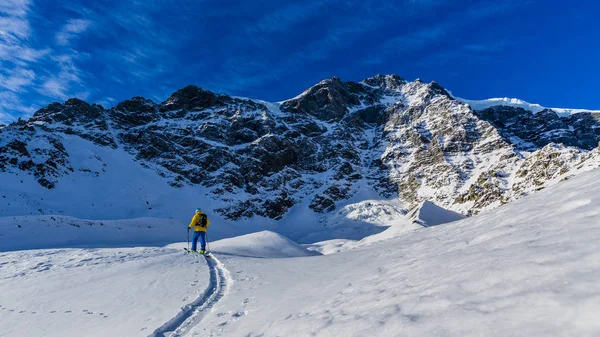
<point>529,268</point>
<point>300,166</point>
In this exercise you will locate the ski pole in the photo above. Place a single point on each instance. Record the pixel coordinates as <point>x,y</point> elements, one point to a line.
<point>188,232</point>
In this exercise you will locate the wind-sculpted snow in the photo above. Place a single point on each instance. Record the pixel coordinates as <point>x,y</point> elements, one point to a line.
<point>299,161</point>
<point>529,268</point>
<point>263,244</point>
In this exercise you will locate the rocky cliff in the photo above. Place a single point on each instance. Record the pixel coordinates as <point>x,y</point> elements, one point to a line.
<point>406,140</point>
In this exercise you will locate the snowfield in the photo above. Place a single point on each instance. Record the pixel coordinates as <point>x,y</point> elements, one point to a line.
<point>529,268</point>
<point>95,292</point>
<point>517,103</point>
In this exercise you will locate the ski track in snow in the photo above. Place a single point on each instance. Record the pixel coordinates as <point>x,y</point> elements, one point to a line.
<point>192,314</point>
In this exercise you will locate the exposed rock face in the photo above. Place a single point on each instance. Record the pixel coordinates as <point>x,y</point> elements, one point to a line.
<point>410,140</point>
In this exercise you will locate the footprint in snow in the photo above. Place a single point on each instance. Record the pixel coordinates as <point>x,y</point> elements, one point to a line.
<point>239,314</point>
<point>68,312</point>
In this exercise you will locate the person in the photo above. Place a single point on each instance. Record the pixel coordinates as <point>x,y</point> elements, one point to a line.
<point>200,223</point>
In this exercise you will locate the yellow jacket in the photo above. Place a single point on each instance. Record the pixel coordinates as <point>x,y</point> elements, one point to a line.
<point>196,223</point>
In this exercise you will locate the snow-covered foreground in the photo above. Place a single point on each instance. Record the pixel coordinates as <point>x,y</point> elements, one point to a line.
<point>95,292</point>
<point>529,268</point>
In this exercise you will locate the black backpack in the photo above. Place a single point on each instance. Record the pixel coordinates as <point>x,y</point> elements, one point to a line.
<point>203,220</point>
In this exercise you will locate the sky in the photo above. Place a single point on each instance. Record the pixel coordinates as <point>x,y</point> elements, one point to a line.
<point>106,51</point>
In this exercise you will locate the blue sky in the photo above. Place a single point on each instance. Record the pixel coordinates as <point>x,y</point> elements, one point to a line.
<point>105,51</point>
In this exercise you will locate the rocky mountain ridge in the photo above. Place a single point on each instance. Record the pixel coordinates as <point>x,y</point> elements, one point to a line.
<point>320,150</point>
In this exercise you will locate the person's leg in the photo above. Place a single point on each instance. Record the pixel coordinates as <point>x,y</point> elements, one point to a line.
<point>202,240</point>
<point>195,240</point>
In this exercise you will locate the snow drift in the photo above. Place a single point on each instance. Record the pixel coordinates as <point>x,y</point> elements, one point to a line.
<point>264,244</point>
<point>429,214</point>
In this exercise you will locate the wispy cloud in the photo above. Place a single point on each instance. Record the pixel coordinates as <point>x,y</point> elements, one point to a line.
<point>71,30</point>
<point>30,64</point>
<point>65,80</point>
<point>14,34</point>
<point>17,79</point>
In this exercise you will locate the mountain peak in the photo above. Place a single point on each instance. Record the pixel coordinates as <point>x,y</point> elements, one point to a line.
<point>71,110</point>
<point>76,102</point>
<point>438,89</point>
<point>136,104</point>
<point>190,97</point>
<point>327,100</point>
<point>391,81</point>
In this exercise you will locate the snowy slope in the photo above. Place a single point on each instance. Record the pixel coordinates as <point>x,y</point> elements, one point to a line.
<point>529,268</point>
<point>106,184</point>
<point>517,103</point>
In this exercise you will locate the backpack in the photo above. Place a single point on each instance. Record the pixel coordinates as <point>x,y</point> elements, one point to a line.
<point>203,220</point>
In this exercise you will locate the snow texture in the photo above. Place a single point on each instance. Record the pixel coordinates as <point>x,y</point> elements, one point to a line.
<point>528,268</point>
<point>517,103</point>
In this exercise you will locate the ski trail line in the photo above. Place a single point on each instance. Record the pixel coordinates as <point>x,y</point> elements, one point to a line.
<point>193,313</point>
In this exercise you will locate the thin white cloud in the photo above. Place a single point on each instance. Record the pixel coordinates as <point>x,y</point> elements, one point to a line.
<point>60,83</point>
<point>15,7</point>
<point>26,67</point>
<point>54,87</point>
<point>15,32</point>
<point>14,27</point>
<point>71,30</point>
<point>17,79</point>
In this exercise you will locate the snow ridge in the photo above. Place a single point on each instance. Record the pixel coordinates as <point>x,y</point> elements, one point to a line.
<point>518,103</point>
<point>193,313</point>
